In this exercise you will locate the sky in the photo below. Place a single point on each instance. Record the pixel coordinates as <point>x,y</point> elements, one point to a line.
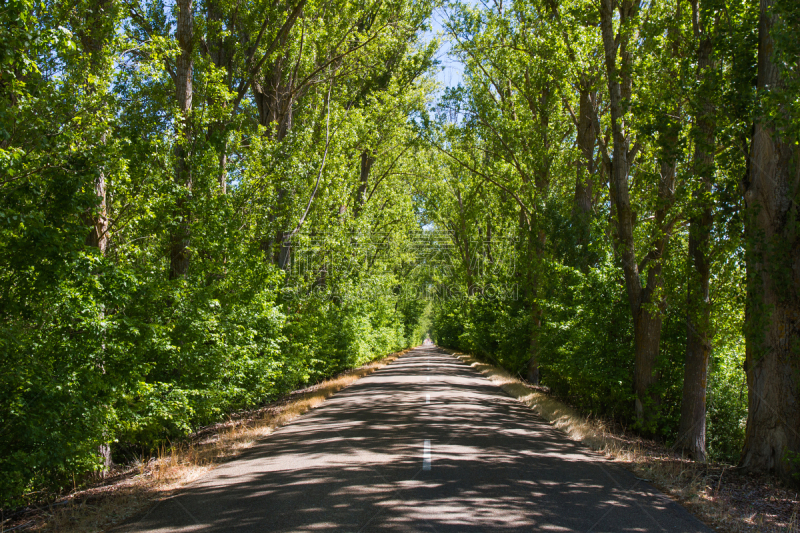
<point>452,69</point>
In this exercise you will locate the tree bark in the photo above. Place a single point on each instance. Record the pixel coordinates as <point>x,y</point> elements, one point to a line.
<point>98,234</point>
<point>536,244</point>
<point>645,311</point>
<point>184,32</point>
<point>533,374</point>
<point>772,323</point>
<point>587,137</point>
<point>648,322</point>
<point>366,166</point>
<point>94,31</point>
<point>692,428</point>
<point>537,238</point>
<point>93,34</point>
<point>274,100</point>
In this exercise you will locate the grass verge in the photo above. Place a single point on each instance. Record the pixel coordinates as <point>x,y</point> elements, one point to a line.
<point>128,489</point>
<point>720,495</point>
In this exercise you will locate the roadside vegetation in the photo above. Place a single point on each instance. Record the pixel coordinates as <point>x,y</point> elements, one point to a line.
<point>620,181</point>
<point>127,489</point>
<point>725,498</point>
<point>205,205</point>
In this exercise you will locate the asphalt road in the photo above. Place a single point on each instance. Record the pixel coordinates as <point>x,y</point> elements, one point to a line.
<point>424,444</point>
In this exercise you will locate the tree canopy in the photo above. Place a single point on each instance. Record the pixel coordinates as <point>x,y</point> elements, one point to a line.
<point>207,204</point>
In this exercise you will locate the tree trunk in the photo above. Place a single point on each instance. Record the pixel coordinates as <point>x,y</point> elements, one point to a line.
<point>285,253</point>
<point>184,32</point>
<point>587,136</point>
<point>647,338</point>
<point>274,100</point>
<point>536,244</point>
<point>646,313</point>
<point>647,317</point>
<point>98,234</point>
<point>488,259</point>
<point>461,236</point>
<point>772,327</point>
<point>274,96</point>
<point>223,169</point>
<point>366,166</point>
<point>93,34</point>
<point>619,189</point>
<point>534,376</point>
<point>692,429</point>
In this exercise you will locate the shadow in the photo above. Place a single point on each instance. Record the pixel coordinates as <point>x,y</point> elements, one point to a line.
<point>356,464</point>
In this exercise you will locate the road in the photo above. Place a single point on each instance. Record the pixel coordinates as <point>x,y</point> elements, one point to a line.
<point>424,444</point>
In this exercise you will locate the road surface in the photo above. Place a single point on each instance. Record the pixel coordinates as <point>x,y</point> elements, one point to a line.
<point>424,444</point>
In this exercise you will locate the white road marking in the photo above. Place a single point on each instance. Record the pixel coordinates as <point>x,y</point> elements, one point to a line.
<point>427,398</point>
<point>429,378</point>
<point>426,455</point>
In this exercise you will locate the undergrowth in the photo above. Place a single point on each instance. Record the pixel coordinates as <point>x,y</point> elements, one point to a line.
<point>717,493</point>
<point>129,488</point>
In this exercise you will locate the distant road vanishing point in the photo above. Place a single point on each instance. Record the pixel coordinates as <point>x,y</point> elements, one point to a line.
<point>424,444</point>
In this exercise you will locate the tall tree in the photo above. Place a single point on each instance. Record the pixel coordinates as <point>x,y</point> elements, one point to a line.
<point>692,431</point>
<point>643,279</point>
<point>772,329</point>
<point>94,29</point>
<point>184,72</point>
<point>619,76</point>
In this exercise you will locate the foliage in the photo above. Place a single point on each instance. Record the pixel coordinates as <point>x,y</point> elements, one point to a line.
<point>509,141</point>
<point>101,342</point>
<point>206,205</point>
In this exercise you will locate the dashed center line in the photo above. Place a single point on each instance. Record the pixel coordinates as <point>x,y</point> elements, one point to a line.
<point>429,378</point>
<point>427,398</point>
<point>426,455</point>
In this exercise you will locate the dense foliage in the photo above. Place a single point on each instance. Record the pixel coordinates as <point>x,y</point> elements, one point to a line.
<point>207,204</point>
<point>609,147</point>
<point>203,207</point>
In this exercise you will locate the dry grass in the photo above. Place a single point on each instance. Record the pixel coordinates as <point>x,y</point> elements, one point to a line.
<point>130,488</point>
<point>723,497</point>
<point>718,494</point>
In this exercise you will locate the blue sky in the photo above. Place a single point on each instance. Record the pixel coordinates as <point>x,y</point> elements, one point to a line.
<point>452,69</point>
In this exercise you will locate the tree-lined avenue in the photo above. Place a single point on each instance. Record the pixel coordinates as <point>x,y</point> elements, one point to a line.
<point>358,463</point>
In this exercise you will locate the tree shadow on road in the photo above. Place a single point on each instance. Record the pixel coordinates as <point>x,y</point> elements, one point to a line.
<point>356,464</point>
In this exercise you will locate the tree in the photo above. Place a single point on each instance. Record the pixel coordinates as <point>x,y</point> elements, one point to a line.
<point>692,431</point>
<point>773,253</point>
<point>184,73</point>
<point>646,300</point>
<point>138,123</point>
